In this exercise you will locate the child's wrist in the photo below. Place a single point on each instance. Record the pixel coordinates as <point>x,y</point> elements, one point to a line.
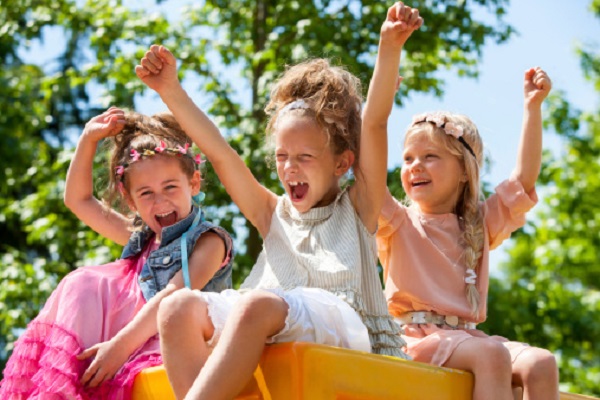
<point>125,342</point>
<point>172,92</point>
<point>533,104</point>
<point>390,44</point>
<point>388,51</point>
<point>89,138</point>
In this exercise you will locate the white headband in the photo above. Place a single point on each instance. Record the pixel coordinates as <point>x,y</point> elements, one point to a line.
<point>298,104</point>
<point>301,104</point>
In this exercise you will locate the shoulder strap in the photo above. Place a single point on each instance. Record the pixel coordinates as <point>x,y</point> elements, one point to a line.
<point>184,254</point>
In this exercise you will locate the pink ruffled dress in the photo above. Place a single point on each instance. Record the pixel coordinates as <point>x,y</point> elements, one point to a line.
<point>424,268</point>
<point>89,306</point>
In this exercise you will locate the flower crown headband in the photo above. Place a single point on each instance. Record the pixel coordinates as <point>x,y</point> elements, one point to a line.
<point>161,149</point>
<point>450,128</point>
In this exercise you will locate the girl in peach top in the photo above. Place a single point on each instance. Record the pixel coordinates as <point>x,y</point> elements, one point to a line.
<point>435,251</point>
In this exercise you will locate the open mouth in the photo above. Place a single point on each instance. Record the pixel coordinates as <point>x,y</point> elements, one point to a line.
<point>166,219</point>
<point>298,190</point>
<point>420,182</point>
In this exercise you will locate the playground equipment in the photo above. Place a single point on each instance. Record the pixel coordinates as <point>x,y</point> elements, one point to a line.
<point>306,371</point>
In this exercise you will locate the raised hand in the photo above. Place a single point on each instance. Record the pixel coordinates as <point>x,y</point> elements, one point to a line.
<point>537,85</point>
<point>400,23</point>
<point>109,357</point>
<point>158,69</point>
<point>109,123</point>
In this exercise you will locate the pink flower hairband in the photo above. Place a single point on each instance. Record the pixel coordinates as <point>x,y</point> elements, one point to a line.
<point>449,127</point>
<point>160,149</point>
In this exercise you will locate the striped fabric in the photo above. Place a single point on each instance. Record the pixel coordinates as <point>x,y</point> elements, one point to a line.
<point>329,248</point>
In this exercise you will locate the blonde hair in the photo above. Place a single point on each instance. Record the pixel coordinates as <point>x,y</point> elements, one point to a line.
<point>332,96</point>
<point>140,133</point>
<point>467,206</point>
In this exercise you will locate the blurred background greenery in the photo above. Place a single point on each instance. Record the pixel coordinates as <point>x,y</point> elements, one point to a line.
<point>547,290</point>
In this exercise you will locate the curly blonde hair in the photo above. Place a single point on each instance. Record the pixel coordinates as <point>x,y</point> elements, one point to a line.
<point>140,133</point>
<point>334,100</point>
<point>467,207</point>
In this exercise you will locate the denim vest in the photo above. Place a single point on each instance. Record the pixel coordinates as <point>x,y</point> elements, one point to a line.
<point>163,263</point>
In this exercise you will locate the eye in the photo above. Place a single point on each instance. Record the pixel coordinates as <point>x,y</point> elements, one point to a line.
<point>281,157</point>
<point>431,155</point>
<point>145,193</point>
<point>305,156</point>
<point>407,159</point>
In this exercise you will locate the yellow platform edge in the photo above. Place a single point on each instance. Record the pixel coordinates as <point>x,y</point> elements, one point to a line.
<point>306,371</point>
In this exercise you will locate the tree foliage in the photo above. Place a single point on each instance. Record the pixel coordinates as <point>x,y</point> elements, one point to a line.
<point>233,52</point>
<point>550,296</point>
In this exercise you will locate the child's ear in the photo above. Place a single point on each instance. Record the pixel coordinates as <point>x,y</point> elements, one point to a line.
<point>196,182</point>
<point>344,162</point>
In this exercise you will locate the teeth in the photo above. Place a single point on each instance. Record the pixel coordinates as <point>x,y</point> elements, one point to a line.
<point>164,215</point>
<point>295,183</point>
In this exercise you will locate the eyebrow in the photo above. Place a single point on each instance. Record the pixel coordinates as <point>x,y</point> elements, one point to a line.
<point>426,148</point>
<point>140,189</point>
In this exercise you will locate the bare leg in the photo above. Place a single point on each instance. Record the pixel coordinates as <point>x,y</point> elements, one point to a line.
<point>256,317</point>
<point>490,364</point>
<point>184,328</point>
<point>535,370</point>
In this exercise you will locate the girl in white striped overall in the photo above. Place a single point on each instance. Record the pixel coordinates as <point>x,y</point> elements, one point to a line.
<point>316,279</point>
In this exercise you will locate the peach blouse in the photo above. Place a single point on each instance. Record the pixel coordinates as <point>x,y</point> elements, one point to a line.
<point>423,261</point>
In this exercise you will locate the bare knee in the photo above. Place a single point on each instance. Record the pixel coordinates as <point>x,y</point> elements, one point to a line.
<point>493,359</point>
<point>536,365</point>
<point>263,311</point>
<point>182,310</point>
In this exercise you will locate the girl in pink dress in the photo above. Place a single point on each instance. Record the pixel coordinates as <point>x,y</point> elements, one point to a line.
<point>435,250</point>
<point>98,328</point>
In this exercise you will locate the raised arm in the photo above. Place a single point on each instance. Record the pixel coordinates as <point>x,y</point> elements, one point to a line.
<point>371,179</point>
<point>79,191</point>
<point>158,70</point>
<point>537,85</point>
<point>206,259</point>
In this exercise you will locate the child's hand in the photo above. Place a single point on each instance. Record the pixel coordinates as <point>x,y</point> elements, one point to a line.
<point>109,123</point>
<point>158,69</point>
<point>400,23</point>
<point>109,357</point>
<point>537,85</point>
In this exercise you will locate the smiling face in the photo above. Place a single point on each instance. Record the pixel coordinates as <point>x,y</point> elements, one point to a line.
<point>432,176</point>
<point>160,191</point>
<point>306,165</point>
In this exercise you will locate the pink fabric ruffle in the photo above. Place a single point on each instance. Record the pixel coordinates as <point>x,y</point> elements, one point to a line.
<point>43,365</point>
<point>89,306</point>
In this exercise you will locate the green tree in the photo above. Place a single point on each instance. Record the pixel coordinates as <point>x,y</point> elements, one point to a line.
<point>233,50</point>
<point>550,294</point>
